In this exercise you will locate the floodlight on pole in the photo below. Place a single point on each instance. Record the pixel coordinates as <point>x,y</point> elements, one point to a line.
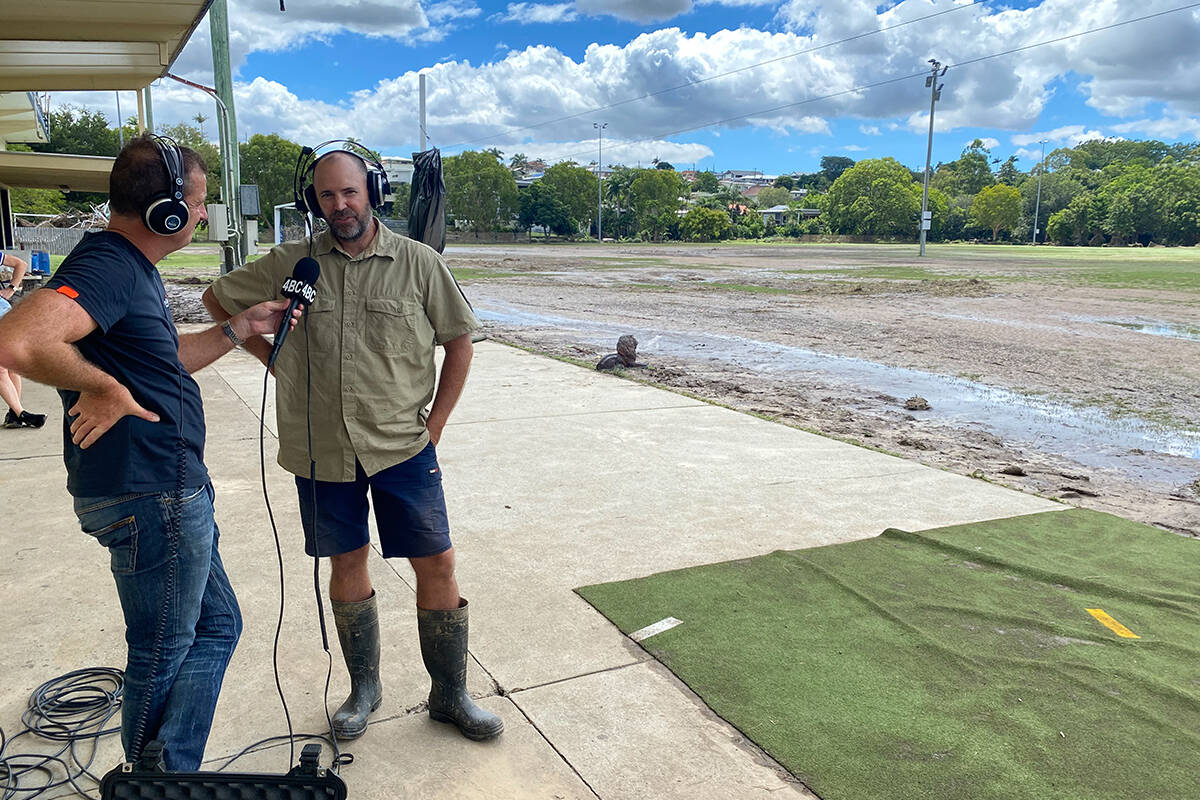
<point>935,92</point>
<point>599,178</point>
<point>1037,206</point>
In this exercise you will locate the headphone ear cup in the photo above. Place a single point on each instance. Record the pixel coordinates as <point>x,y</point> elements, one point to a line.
<point>310,200</point>
<point>375,190</point>
<point>166,216</point>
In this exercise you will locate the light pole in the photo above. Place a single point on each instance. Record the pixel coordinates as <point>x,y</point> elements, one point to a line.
<point>1037,206</point>
<point>935,91</point>
<point>599,178</point>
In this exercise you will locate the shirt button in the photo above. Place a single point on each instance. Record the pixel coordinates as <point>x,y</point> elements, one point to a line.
<point>349,356</point>
<point>349,388</point>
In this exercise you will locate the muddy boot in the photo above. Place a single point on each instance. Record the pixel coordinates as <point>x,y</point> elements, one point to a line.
<point>444,650</point>
<point>358,631</point>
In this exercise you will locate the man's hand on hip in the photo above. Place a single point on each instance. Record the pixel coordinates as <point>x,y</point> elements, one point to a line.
<point>96,412</point>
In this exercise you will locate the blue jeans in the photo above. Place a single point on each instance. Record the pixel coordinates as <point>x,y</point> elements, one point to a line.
<point>182,620</point>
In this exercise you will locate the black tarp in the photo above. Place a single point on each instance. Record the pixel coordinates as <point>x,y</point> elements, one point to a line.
<point>427,200</point>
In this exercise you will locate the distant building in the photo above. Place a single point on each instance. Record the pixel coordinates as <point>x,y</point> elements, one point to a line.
<point>398,170</point>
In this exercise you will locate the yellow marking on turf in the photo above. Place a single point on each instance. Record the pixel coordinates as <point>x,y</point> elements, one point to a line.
<point>1112,624</point>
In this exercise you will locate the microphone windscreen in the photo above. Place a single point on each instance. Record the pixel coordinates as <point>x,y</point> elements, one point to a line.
<point>307,270</point>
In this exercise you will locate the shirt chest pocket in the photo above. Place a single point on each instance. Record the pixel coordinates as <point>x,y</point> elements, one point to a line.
<point>323,326</point>
<point>391,324</point>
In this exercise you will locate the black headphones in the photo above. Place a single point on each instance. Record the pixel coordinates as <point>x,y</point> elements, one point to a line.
<point>167,213</point>
<point>306,194</point>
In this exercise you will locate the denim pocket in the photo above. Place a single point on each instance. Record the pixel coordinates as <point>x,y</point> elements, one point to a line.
<point>121,539</point>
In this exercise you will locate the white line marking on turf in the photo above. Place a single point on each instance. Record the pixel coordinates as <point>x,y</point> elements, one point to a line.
<point>656,628</point>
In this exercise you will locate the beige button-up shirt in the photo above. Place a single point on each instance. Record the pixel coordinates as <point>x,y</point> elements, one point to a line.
<point>372,331</point>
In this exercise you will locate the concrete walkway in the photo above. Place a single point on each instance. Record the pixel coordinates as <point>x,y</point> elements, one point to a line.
<point>556,477</point>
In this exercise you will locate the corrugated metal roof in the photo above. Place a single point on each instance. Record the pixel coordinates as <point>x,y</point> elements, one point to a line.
<point>84,45</point>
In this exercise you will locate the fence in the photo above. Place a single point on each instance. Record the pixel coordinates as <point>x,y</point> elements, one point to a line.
<point>59,241</point>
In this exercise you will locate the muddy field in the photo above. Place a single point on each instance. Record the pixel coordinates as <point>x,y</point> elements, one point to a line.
<point>1073,374</point>
<point>1058,377</point>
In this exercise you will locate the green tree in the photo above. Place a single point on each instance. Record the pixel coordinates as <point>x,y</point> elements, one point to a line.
<point>1075,224</point>
<point>970,173</point>
<point>785,182</point>
<point>37,201</point>
<point>479,189</point>
<point>706,225</point>
<point>706,182</point>
<point>81,132</point>
<point>575,187</point>
<point>518,163</point>
<point>76,130</point>
<point>749,226</point>
<point>1008,173</point>
<point>1058,188</point>
<point>664,165</point>
<point>997,207</point>
<point>269,161</point>
<point>655,195</point>
<point>539,206</point>
<point>401,198</point>
<point>832,167</point>
<point>1129,207</point>
<point>876,197</point>
<point>770,196</point>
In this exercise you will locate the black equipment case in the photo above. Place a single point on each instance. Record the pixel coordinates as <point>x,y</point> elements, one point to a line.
<point>147,780</point>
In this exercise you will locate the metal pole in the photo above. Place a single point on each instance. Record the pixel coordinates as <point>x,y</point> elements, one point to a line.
<point>218,27</point>
<point>424,131</point>
<point>149,110</point>
<point>227,190</point>
<point>934,93</point>
<point>141,113</point>
<point>1037,207</point>
<point>120,129</point>
<point>599,180</point>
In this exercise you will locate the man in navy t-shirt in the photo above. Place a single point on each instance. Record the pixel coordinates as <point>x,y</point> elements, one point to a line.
<point>133,439</point>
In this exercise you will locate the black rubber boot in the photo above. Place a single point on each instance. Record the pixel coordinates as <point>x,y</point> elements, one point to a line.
<point>358,631</point>
<point>444,650</point>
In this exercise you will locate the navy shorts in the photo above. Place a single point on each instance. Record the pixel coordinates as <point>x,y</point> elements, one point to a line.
<point>410,510</point>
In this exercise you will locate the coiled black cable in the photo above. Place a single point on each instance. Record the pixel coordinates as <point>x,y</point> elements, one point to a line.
<point>72,711</point>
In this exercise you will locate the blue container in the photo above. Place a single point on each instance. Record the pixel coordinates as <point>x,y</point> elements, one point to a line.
<point>40,264</point>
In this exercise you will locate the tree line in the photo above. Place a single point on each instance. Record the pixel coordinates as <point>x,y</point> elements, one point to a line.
<point>1098,192</point>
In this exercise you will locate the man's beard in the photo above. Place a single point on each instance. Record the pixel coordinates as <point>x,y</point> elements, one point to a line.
<point>350,234</point>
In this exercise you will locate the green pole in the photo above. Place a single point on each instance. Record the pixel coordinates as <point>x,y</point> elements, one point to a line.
<point>218,25</point>
<point>149,111</point>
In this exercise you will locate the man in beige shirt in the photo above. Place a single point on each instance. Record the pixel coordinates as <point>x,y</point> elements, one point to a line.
<point>364,360</point>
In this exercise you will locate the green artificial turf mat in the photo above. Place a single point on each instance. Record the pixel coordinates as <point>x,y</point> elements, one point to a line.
<point>954,663</point>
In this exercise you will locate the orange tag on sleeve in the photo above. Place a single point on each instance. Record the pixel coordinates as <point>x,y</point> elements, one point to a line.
<point>68,291</point>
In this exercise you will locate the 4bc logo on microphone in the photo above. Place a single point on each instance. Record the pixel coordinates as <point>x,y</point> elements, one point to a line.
<point>299,289</point>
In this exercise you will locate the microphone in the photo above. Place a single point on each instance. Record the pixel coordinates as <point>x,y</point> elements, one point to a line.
<point>300,288</point>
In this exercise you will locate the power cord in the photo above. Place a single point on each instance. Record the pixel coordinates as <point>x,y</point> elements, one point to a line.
<point>73,710</point>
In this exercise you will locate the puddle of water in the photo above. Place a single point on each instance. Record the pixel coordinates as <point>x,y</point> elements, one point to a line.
<point>1086,435</point>
<point>1157,328</point>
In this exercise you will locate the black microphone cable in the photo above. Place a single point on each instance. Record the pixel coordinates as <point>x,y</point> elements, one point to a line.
<point>338,757</point>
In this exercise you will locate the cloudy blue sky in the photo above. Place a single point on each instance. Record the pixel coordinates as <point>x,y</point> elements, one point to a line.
<point>747,84</point>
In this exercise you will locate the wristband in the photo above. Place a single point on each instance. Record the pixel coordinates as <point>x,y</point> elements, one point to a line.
<point>233,337</point>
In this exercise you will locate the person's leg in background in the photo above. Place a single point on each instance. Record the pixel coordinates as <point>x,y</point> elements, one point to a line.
<point>10,393</point>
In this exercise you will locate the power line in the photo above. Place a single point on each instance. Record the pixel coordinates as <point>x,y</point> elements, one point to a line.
<point>699,81</point>
<point>921,73</point>
<point>878,84</point>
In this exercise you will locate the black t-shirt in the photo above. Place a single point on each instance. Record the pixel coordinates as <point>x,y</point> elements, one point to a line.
<point>136,342</point>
